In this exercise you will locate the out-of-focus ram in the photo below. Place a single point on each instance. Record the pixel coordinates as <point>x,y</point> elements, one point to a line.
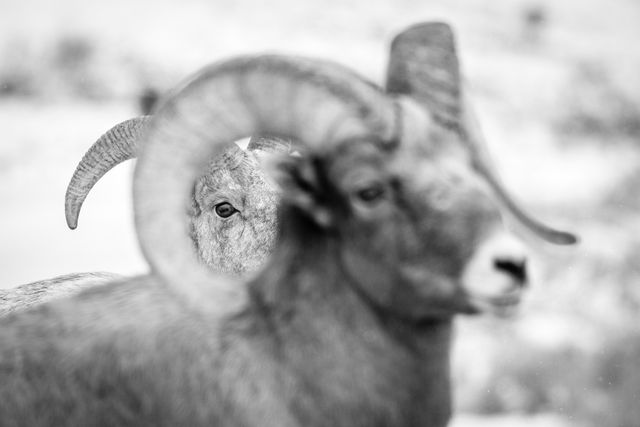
<point>382,224</point>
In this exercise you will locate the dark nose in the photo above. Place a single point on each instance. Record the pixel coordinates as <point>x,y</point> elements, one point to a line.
<point>516,268</point>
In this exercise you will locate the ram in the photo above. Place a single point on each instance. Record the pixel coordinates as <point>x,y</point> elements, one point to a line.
<point>382,225</point>
<point>233,215</point>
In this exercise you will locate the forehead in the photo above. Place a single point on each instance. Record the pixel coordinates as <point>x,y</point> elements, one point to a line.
<point>357,160</point>
<point>439,148</point>
<point>234,171</point>
<point>441,152</point>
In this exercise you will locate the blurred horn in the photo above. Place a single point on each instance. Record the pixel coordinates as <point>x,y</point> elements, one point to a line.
<point>423,63</point>
<point>318,104</point>
<point>483,164</point>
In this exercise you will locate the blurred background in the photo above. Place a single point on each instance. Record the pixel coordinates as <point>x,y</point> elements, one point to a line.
<point>557,88</point>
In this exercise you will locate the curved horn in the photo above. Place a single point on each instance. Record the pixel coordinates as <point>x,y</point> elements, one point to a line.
<point>319,104</point>
<point>117,145</point>
<point>483,164</point>
<point>424,65</point>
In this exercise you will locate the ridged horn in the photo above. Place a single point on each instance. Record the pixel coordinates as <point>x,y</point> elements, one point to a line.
<point>318,104</point>
<point>118,144</point>
<point>424,65</point>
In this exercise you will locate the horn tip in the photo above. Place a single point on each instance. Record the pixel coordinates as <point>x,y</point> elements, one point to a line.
<point>72,224</point>
<point>566,238</point>
<point>573,239</point>
<point>72,219</point>
<point>429,32</point>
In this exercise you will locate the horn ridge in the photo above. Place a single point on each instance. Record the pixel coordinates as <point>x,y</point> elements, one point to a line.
<point>115,146</point>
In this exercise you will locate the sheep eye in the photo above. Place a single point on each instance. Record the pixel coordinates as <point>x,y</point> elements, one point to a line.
<point>225,210</point>
<point>371,194</point>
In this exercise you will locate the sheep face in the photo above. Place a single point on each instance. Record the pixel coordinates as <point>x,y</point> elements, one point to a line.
<point>233,220</point>
<point>407,226</point>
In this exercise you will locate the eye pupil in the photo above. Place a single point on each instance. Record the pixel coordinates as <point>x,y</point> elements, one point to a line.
<point>225,210</point>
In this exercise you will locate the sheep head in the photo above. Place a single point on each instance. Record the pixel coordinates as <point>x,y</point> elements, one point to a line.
<point>419,229</point>
<point>423,234</point>
<point>233,210</point>
<point>403,226</point>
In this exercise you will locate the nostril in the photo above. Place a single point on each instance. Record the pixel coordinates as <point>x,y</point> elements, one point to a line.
<point>515,268</point>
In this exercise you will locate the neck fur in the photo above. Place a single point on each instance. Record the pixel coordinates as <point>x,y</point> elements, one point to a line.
<point>350,360</point>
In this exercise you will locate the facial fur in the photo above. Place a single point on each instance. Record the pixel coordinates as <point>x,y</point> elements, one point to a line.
<point>409,225</point>
<point>241,241</point>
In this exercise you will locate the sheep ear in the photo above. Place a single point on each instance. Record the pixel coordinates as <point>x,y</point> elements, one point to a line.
<point>423,63</point>
<point>302,187</point>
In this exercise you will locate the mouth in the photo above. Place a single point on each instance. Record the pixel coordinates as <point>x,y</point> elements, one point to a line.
<point>502,305</point>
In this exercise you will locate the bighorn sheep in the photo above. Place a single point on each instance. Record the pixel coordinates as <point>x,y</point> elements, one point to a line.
<point>347,324</point>
<point>233,213</point>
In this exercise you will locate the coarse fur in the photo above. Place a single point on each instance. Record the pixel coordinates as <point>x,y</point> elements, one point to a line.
<point>241,242</point>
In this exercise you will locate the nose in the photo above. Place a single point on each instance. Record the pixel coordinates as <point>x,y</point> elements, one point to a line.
<point>496,277</point>
<point>516,267</point>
